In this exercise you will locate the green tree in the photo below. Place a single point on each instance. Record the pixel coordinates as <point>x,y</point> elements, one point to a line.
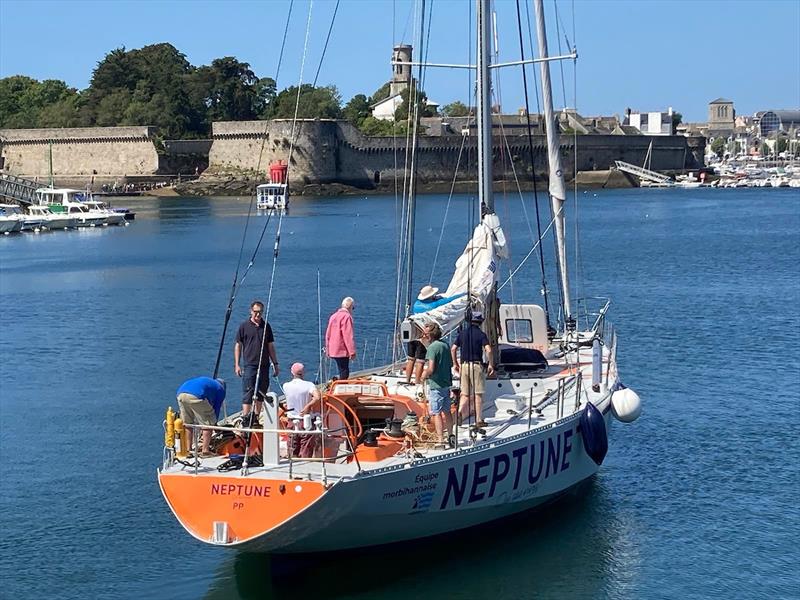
<point>401,114</point>
<point>381,93</point>
<point>25,102</point>
<point>228,89</point>
<point>144,87</point>
<point>677,119</point>
<point>313,103</point>
<point>456,109</point>
<point>718,146</point>
<point>381,127</point>
<point>357,109</point>
<point>266,92</point>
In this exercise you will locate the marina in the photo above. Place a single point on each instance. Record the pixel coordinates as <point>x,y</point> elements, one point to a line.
<point>705,267</point>
<point>487,352</point>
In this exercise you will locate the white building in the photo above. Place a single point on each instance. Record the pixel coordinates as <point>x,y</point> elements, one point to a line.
<point>652,123</point>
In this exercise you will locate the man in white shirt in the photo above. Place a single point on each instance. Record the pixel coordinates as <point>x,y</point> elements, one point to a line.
<point>301,397</point>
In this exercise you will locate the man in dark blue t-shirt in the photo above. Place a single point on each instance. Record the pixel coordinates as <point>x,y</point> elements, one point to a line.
<point>255,346</point>
<point>200,400</point>
<point>473,343</point>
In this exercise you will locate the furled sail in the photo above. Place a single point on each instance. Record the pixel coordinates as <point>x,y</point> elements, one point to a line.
<point>474,277</point>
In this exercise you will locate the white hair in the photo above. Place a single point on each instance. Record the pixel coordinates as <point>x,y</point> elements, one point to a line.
<point>347,302</point>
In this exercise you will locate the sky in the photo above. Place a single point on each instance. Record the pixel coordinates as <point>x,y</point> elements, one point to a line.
<point>647,55</point>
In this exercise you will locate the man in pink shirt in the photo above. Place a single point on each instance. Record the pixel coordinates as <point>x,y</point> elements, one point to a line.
<point>340,343</point>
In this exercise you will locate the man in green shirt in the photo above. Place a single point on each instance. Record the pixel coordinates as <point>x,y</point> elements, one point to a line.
<point>438,373</point>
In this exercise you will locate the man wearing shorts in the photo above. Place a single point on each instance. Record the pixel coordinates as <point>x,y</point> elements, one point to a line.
<point>254,346</point>
<point>200,400</point>
<point>473,343</point>
<point>438,373</point>
<point>427,299</point>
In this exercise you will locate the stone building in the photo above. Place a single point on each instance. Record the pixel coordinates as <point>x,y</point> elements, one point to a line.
<point>401,80</point>
<point>721,117</point>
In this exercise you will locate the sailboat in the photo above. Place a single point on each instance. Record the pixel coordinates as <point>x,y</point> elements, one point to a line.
<point>547,413</point>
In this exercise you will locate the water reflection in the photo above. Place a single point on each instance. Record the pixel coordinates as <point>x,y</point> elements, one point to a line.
<point>578,547</point>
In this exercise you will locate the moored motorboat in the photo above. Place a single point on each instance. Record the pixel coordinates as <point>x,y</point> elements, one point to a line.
<point>52,220</point>
<point>25,221</point>
<point>275,194</point>
<point>10,219</point>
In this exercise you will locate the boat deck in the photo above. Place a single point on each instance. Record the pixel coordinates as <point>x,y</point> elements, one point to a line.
<point>547,398</point>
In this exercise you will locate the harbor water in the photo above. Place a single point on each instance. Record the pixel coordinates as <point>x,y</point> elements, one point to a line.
<point>696,499</point>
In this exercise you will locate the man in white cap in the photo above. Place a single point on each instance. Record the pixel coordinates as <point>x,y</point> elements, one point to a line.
<point>301,396</point>
<point>427,299</point>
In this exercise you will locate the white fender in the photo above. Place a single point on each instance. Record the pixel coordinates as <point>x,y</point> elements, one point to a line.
<point>626,405</point>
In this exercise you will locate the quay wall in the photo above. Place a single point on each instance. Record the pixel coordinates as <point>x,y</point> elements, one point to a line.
<point>323,152</point>
<point>327,151</point>
<point>79,153</point>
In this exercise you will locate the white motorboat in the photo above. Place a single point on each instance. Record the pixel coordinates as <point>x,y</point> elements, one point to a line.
<point>10,219</point>
<point>275,194</point>
<point>25,222</point>
<point>112,217</point>
<point>543,430</point>
<point>71,202</point>
<point>51,220</point>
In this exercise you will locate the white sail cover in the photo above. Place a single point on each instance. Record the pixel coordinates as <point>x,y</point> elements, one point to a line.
<point>473,279</point>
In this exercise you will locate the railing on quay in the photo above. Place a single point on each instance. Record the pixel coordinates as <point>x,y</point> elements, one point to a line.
<point>18,189</point>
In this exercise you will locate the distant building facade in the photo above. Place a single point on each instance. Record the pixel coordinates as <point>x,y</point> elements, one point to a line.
<point>651,123</point>
<point>778,121</point>
<point>721,117</point>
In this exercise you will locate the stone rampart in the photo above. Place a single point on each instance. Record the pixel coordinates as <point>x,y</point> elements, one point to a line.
<point>78,153</point>
<point>324,152</point>
<point>328,151</point>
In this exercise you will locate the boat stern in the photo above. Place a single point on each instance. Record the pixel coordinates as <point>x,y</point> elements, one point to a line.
<point>231,511</point>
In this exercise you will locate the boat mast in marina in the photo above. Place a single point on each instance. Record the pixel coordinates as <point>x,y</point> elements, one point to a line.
<point>557,189</point>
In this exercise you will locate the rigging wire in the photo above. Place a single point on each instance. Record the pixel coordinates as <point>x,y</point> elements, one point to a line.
<point>447,208</point>
<point>560,63</point>
<point>533,156</point>
<point>234,284</point>
<point>325,47</point>
<point>276,247</point>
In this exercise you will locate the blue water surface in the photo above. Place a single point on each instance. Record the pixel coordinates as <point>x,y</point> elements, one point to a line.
<point>697,499</point>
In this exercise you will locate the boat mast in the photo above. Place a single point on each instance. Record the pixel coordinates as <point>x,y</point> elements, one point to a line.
<point>484,101</point>
<point>557,189</point>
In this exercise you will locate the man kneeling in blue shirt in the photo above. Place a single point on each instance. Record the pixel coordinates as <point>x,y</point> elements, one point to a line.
<point>200,400</point>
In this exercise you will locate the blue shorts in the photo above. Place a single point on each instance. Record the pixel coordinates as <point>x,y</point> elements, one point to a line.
<point>249,383</point>
<point>438,400</point>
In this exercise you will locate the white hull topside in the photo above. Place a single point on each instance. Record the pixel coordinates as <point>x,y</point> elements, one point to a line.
<point>520,464</point>
<point>438,495</point>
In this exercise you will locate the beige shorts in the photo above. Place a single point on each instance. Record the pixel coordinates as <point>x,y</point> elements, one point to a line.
<point>196,411</point>
<point>473,378</point>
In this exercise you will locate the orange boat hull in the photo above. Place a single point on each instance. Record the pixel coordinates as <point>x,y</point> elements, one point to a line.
<point>249,506</point>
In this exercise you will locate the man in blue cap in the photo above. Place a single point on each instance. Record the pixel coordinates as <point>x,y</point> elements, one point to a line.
<point>473,344</point>
<point>200,400</point>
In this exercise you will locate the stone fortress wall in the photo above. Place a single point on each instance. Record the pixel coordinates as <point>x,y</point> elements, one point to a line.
<point>325,151</point>
<point>79,153</point>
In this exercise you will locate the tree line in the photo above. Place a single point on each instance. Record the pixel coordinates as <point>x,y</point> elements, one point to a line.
<point>156,85</point>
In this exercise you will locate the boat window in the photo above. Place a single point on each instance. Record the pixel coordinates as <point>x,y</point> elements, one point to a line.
<point>519,330</point>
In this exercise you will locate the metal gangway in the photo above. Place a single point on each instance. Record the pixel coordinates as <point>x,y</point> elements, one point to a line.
<point>642,173</point>
<point>18,189</point>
